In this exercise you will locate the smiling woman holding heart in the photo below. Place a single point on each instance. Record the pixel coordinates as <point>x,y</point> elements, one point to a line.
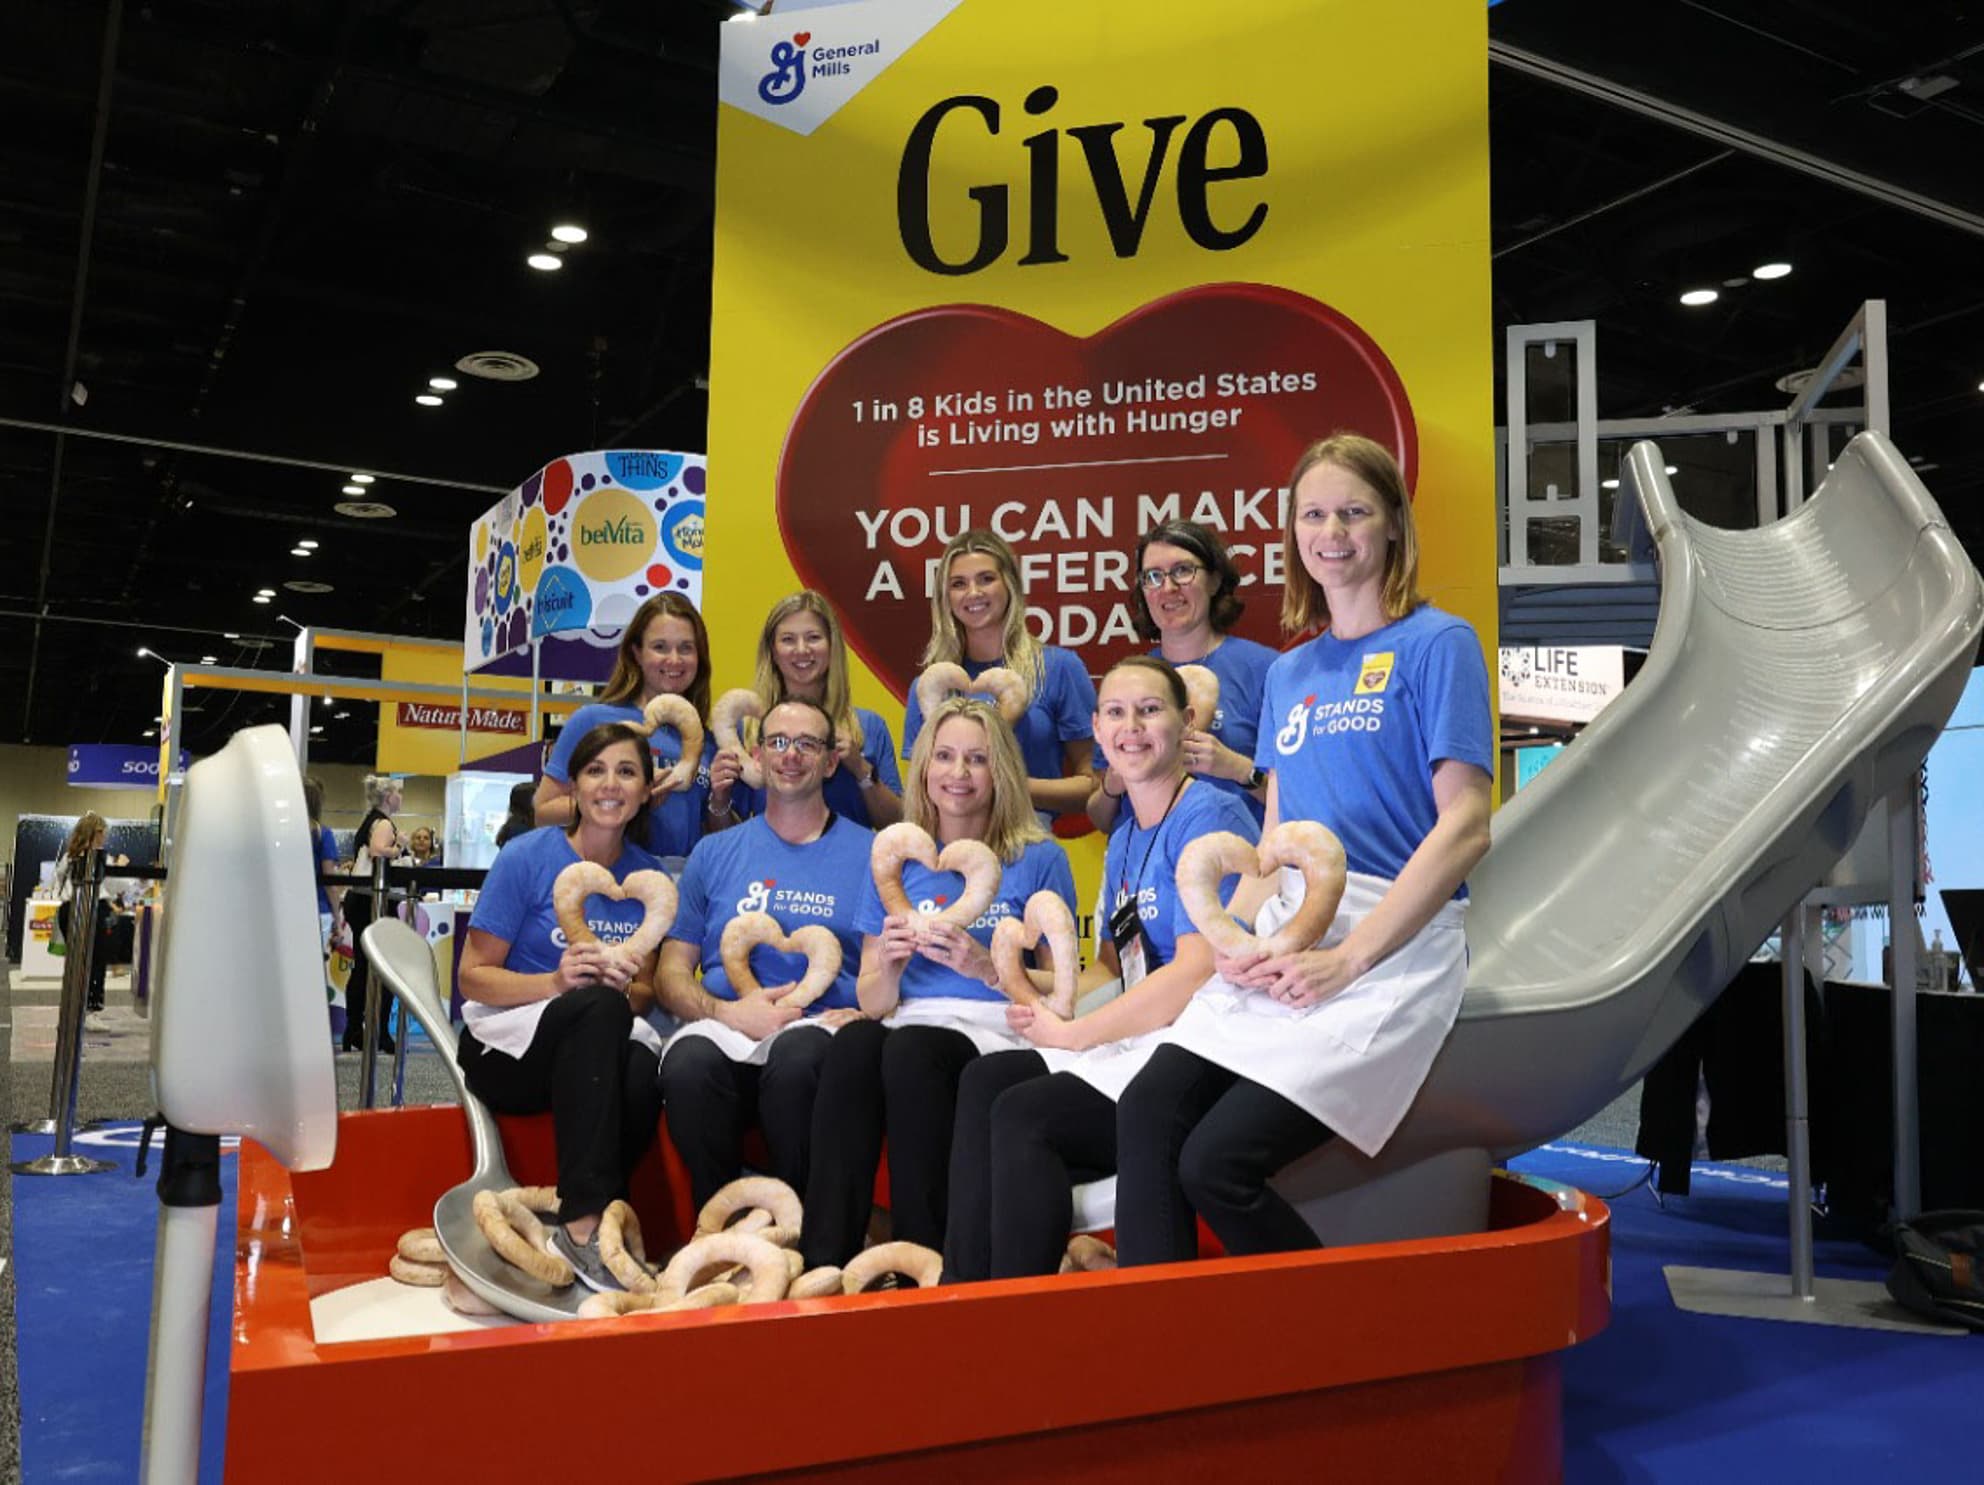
<point>1378,730</point>
<point>801,654</point>
<point>751,1053</point>
<point>555,1024</point>
<point>978,622</point>
<point>664,651</point>
<point>927,920</point>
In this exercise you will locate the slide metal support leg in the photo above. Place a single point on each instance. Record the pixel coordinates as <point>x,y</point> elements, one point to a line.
<point>1797,1126</point>
<point>182,1291</point>
<point>1901,937</point>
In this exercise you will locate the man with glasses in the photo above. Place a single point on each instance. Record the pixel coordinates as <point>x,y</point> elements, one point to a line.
<point>750,1060</point>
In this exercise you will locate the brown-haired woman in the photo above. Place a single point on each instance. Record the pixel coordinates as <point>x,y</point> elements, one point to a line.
<point>1379,728</point>
<point>1188,600</point>
<point>553,1025</point>
<point>664,651</point>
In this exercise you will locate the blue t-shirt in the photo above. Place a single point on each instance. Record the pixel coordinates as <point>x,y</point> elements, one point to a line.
<point>1352,729</point>
<point>749,868</point>
<point>1242,667</point>
<point>843,790</point>
<point>1145,862</point>
<point>515,904</point>
<point>676,823</point>
<point>1042,867</point>
<point>326,852</point>
<point>1062,711</point>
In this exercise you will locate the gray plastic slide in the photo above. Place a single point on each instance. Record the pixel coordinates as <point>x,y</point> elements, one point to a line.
<point>1798,673</point>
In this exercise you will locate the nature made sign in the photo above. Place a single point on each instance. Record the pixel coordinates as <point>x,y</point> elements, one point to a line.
<point>449,718</point>
<point>979,265</point>
<point>580,545</point>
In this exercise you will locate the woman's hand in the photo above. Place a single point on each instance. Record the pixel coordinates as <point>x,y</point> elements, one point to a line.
<point>618,965</point>
<point>844,1016</point>
<point>949,945</point>
<point>1308,978</point>
<point>1042,1027</point>
<point>582,964</point>
<point>1207,756</point>
<point>899,939</point>
<point>1244,970</point>
<point>851,760</point>
<point>725,770</point>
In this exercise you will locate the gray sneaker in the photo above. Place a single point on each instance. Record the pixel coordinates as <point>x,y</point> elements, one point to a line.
<point>585,1260</point>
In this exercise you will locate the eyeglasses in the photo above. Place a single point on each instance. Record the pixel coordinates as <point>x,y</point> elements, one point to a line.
<point>809,747</point>
<point>1180,573</point>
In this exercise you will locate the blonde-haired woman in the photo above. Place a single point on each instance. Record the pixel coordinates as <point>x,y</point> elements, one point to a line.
<point>1379,728</point>
<point>88,834</point>
<point>929,989</point>
<point>802,657</point>
<point>978,621</point>
<point>664,651</point>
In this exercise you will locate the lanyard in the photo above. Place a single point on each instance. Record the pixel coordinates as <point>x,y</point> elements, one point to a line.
<point>1155,831</point>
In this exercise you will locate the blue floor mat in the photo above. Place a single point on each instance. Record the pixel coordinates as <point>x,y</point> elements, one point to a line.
<point>83,1249</point>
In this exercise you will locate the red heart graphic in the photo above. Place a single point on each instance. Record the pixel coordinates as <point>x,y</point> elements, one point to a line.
<point>800,38</point>
<point>769,884</point>
<point>940,901</point>
<point>913,495</point>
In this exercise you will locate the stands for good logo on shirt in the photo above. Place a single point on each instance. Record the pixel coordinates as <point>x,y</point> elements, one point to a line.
<point>1310,718</point>
<point>766,896</point>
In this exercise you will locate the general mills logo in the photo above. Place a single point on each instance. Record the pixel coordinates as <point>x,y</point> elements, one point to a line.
<point>787,79</point>
<point>755,897</point>
<point>1295,728</point>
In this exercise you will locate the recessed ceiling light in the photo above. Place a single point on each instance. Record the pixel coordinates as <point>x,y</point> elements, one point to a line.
<point>443,383</point>
<point>315,730</point>
<point>1673,469</point>
<point>425,399</point>
<point>545,262</point>
<point>1770,270</point>
<point>210,659</point>
<point>570,232</point>
<point>150,732</point>
<point>307,585</point>
<point>352,490</point>
<point>262,598</point>
<point>265,592</point>
<point>361,479</point>
<point>1734,283</point>
<point>1608,484</point>
<point>230,636</point>
<point>1697,297</point>
<point>339,716</point>
<point>299,551</point>
<point>365,510</point>
<point>308,544</point>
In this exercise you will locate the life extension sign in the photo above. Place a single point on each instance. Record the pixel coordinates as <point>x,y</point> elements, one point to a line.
<point>113,766</point>
<point>799,68</point>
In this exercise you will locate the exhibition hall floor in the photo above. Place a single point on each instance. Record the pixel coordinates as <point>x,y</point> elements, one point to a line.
<point>1661,1395</point>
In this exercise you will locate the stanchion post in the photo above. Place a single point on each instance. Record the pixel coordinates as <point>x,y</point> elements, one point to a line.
<point>399,1047</point>
<point>1902,853</point>
<point>367,1070</point>
<point>68,1069</point>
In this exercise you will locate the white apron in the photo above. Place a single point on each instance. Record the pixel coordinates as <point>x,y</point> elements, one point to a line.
<point>983,1021</point>
<point>738,1047</point>
<point>1355,1061</point>
<point>1109,1067</point>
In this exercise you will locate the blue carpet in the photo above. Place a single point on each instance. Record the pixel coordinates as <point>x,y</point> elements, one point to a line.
<point>1660,1396</point>
<point>1664,1395</point>
<point>83,1249</point>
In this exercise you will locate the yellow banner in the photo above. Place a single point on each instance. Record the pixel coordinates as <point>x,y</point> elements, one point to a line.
<point>1068,273</point>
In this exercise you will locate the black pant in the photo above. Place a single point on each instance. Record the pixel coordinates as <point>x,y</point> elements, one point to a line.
<point>1193,1137</point>
<point>99,949</point>
<point>711,1101</point>
<point>358,917</point>
<point>902,1082</point>
<point>602,1087</point>
<point>1025,1138</point>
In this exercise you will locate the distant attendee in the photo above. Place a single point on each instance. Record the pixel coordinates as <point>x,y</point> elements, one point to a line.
<point>422,849</point>
<point>377,838</point>
<point>324,852</point>
<point>523,814</point>
<point>89,834</point>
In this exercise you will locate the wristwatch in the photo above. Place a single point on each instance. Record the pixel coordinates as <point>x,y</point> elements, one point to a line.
<point>1258,779</point>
